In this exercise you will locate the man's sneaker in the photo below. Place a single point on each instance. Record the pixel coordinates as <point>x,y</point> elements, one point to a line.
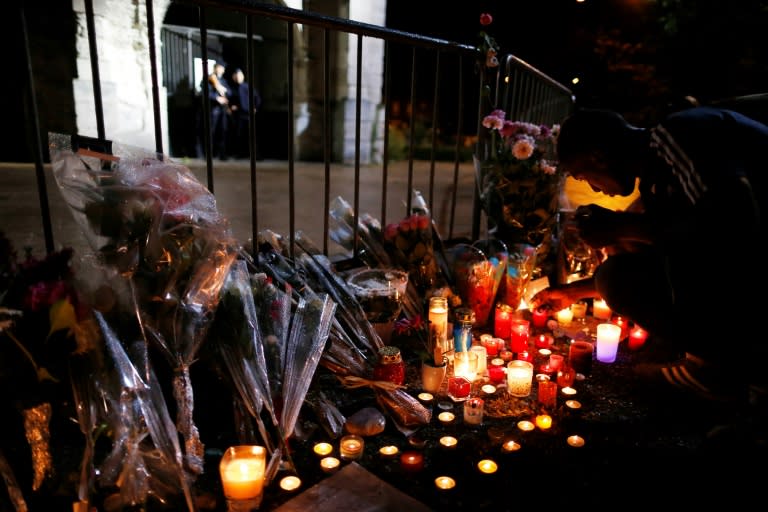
<point>696,378</point>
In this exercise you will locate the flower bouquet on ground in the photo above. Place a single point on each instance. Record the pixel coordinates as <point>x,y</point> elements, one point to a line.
<point>166,252</point>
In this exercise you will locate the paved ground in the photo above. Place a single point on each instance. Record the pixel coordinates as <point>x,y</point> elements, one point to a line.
<point>20,210</point>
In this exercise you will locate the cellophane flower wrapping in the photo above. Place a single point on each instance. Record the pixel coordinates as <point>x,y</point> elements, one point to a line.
<point>152,225</point>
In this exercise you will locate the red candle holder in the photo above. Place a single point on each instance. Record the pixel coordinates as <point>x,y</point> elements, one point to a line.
<point>496,374</point>
<point>459,388</point>
<point>502,321</point>
<point>412,461</point>
<point>539,317</point>
<point>525,356</point>
<point>543,341</point>
<point>518,339</point>
<point>637,337</point>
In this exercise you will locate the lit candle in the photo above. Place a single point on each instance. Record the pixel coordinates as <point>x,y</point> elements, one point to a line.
<point>543,341</point>
<point>426,398</point>
<point>556,362</point>
<point>573,404</point>
<point>564,317</point>
<point>600,310</point>
<point>322,449</point>
<point>482,358</point>
<point>539,317</point>
<point>545,352</point>
<point>487,466</point>
<point>290,483</point>
<point>579,310</point>
<point>411,461</point>
<point>459,388</point>
<point>445,483</point>
<point>502,321</point>
<point>544,421</point>
<point>329,464</point>
<point>518,336</point>
<point>506,355</point>
<point>568,391</point>
<point>637,337</point>
<point>242,473</point>
<point>566,376</point>
<point>465,365</point>
<point>547,394</point>
<point>448,442</point>
<point>575,441</point>
<point>438,326</point>
<point>607,342</point>
<point>446,417</point>
<point>473,411</point>
<point>497,361</point>
<point>510,446</point>
<point>519,378</point>
<point>496,374</point>
<point>389,451</point>
<point>489,342</point>
<point>525,356</point>
<point>351,447</point>
<point>525,425</point>
<point>623,323</point>
<point>488,389</point>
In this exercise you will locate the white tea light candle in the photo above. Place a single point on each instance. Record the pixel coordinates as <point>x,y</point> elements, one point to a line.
<point>607,346</point>
<point>290,483</point>
<point>329,464</point>
<point>351,447</point>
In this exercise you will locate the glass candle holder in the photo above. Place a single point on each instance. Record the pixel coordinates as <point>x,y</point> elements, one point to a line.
<point>242,471</point>
<point>351,447</point>
<point>608,336</point>
<point>580,356</point>
<point>518,336</point>
<point>438,324</point>
<point>473,411</point>
<point>519,378</point>
<point>412,462</point>
<point>465,365</point>
<point>600,310</point>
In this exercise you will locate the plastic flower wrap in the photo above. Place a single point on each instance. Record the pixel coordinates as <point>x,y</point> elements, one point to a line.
<point>157,227</point>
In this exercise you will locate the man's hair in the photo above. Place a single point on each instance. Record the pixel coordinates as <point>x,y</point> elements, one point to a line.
<point>590,129</point>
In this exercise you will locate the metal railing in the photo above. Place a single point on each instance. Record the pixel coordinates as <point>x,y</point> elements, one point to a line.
<point>529,95</point>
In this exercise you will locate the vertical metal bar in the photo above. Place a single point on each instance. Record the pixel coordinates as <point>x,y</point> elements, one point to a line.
<point>252,134</point>
<point>358,103</point>
<point>207,144</point>
<point>435,109</point>
<point>326,134</point>
<point>42,190</point>
<point>459,121</point>
<point>412,134</point>
<point>291,146</point>
<point>155,87</point>
<point>97,103</point>
<point>385,157</point>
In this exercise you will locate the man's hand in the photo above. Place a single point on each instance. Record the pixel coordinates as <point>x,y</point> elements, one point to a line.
<point>552,298</point>
<point>598,226</point>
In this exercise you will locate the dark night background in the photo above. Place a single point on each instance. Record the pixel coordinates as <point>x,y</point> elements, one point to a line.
<point>641,57</point>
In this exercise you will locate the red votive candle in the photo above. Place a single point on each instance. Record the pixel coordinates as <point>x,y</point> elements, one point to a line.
<point>539,316</point>
<point>623,323</point>
<point>496,374</point>
<point>506,355</point>
<point>518,339</point>
<point>411,461</point>
<point>502,321</point>
<point>637,337</point>
<point>459,387</point>
<point>490,344</point>
<point>525,356</point>
<point>543,341</point>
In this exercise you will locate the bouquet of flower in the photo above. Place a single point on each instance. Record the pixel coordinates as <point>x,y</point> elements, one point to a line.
<point>516,173</point>
<point>164,250</point>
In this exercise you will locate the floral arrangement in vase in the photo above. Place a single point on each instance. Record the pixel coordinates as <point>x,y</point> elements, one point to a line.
<point>516,170</point>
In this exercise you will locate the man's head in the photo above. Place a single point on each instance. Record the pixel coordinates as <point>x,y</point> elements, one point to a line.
<point>218,68</point>
<point>238,76</point>
<point>596,146</point>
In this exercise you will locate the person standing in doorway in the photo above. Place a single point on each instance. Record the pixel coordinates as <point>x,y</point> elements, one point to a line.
<point>219,92</point>
<point>241,102</point>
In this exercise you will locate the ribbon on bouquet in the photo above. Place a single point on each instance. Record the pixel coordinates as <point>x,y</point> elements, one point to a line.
<point>352,382</point>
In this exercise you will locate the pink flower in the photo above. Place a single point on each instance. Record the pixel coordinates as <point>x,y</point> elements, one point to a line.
<point>522,149</point>
<point>486,19</point>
